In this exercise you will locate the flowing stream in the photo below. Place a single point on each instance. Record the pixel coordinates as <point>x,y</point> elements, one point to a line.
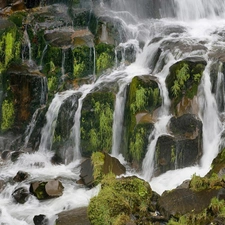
<point>191,22</point>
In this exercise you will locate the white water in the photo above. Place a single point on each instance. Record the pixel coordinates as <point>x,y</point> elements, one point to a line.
<point>202,26</point>
<point>51,119</point>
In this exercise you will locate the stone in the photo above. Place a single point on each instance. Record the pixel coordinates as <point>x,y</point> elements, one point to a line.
<point>181,201</point>
<point>21,176</point>
<point>40,220</point>
<point>45,190</point>
<point>15,155</point>
<point>111,164</point>
<point>21,195</point>
<point>76,216</point>
<point>54,188</point>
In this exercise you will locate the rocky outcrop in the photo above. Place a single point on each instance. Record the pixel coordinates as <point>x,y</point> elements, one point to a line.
<point>182,148</point>
<point>182,84</point>
<point>92,170</point>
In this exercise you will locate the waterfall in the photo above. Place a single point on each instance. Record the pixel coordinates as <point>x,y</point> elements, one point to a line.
<point>118,119</point>
<point>27,44</point>
<point>51,117</point>
<point>42,56</point>
<point>212,126</point>
<point>75,131</point>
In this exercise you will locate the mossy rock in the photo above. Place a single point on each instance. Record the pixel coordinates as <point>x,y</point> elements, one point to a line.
<point>105,57</point>
<point>96,122</point>
<point>184,78</point>
<point>143,96</point>
<point>118,199</point>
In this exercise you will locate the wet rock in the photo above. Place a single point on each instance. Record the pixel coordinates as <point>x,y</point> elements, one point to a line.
<point>2,185</point>
<point>48,189</point>
<point>181,201</point>
<point>18,5</point>
<point>21,195</point>
<point>186,126</point>
<point>40,220</point>
<point>6,155</point>
<point>21,176</point>
<point>76,216</point>
<point>16,155</point>
<point>54,188</point>
<point>110,164</point>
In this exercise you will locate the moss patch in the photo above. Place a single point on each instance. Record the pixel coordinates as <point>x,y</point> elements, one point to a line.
<point>96,122</point>
<point>118,199</point>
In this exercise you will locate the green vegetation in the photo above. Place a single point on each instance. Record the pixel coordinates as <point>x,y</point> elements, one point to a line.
<point>8,115</point>
<point>97,159</point>
<point>96,122</point>
<point>143,96</point>
<point>105,57</point>
<point>184,79</point>
<point>118,199</point>
<point>201,183</point>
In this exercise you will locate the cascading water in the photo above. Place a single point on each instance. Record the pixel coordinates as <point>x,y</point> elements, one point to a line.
<point>205,21</point>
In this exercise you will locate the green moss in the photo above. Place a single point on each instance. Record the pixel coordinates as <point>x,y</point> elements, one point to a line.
<point>105,56</point>
<point>96,122</point>
<point>201,183</point>
<point>17,18</point>
<point>143,95</point>
<point>183,80</point>
<point>118,199</point>
<point>8,115</point>
<point>97,159</point>
<point>83,64</point>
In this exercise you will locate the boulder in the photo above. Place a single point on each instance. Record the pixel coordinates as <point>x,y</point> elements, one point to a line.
<point>75,216</point>
<point>46,190</point>
<point>104,164</point>
<point>21,176</point>
<point>40,220</point>
<point>21,195</point>
<point>15,155</point>
<point>181,201</point>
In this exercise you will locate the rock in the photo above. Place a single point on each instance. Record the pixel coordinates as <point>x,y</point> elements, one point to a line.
<point>16,155</point>
<point>86,172</point>
<point>186,126</point>
<point>75,216</point>
<point>21,195</point>
<point>110,164</point>
<point>181,201</point>
<point>3,3</point>
<point>2,185</point>
<point>54,188</point>
<point>48,189</point>
<point>40,220</point>
<point>5,154</point>
<point>21,176</point>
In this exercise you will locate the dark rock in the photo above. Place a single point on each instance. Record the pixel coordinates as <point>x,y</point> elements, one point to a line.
<point>3,3</point>
<point>186,126</point>
<point>56,159</point>
<point>75,216</point>
<point>16,155</point>
<point>111,164</point>
<point>6,155</point>
<point>21,176</point>
<point>40,220</point>
<point>21,195</point>
<point>86,172</point>
<point>181,201</point>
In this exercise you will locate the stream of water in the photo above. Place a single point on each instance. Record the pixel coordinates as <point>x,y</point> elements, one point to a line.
<point>191,22</point>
